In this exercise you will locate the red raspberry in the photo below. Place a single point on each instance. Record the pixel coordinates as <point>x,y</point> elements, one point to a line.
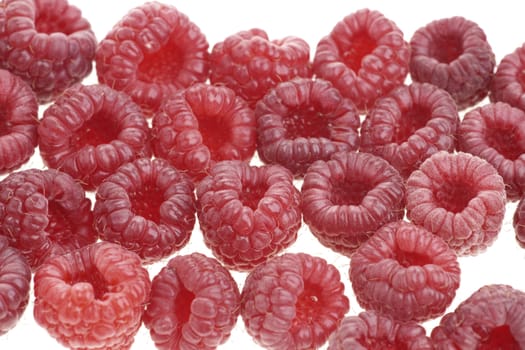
<point>459,197</point>
<point>201,125</point>
<point>347,198</point>
<point>89,131</point>
<point>373,330</point>
<point>406,272</point>
<point>491,318</point>
<point>92,298</point>
<point>146,206</point>
<point>496,133</point>
<point>47,43</point>
<point>365,56</point>
<point>409,124</point>
<point>508,83</point>
<point>44,213</point>
<point>153,51</point>
<point>248,214</point>
<point>303,120</point>
<point>15,279</point>
<point>194,304</point>
<point>293,301</point>
<point>250,64</point>
<point>518,222</point>
<point>453,54</point>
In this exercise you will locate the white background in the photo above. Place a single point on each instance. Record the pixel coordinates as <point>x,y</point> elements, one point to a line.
<point>503,262</point>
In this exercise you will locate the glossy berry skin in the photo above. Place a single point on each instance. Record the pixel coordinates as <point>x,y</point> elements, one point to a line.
<point>293,301</point>
<point>507,84</point>
<point>152,52</point>
<point>194,304</point>
<point>92,298</point>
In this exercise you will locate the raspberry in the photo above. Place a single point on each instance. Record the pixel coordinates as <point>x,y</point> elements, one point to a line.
<point>15,279</point>
<point>201,125</point>
<point>44,213</point>
<point>250,64</point>
<point>92,298</point>
<point>89,131</point>
<point>365,56</point>
<point>147,206</point>
<point>19,121</point>
<point>406,272</point>
<point>373,330</point>
<point>347,198</point>
<point>491,318</point>
<point>194,304</point>
<point>518,222</point>
<point>153,51</point>
<point>248,214</point>
<point>303,120</point>
<point>47,43</point>
<point>453,54</point>
<point>496,133</point>
<point>409,124</point>
<point>459,197</point>
<point>508,83</point>
<point>293,301</point>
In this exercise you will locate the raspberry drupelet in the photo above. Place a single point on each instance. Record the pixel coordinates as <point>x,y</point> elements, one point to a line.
<point>518,222</point>
<point>508,83</point>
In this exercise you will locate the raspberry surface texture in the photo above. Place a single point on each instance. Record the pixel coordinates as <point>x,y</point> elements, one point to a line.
<point>201,125</point>
<point>248,214</point>
<point>148,207</point>
<point>250,63</point>
<point>89,131</point>
<point>518,222</point>
<point>364,56</point>
<point>92,298</point>
<point>496,133</point>
<point>347,198</point>
<point>303,120</point>
<point>454,54</point>
<point>152,52</point>
<point>405,271</point>
<point>293,301</point>
<point>409,124</point>
<point>508,83</point>
<point>194,304</point>
<point>44,213</point>
<point>459,197</point>
<point>47,43</point>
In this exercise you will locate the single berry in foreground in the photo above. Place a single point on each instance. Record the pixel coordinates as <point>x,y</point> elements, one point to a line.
<point>508,83</point>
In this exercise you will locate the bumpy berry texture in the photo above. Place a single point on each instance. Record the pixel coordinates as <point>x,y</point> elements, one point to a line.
<point>250,63</point>
<point>153,51</point>
<point>293,301</point>
<point>405,271</point>
<point>89,131</point>
<point>92,298</point>
<point>247,214</point>
<point>194,304</point>
<point>347,198</point>
<point>365,56</point>
<point>15,280</point>
<point>508,83</point>
<point>303,120</point>
<point>496,133</point>
<point>493,317</point>
<point>201,125</point>
<point>47,43</point>
<point>518,222</point>
<point>459,197</point>
<point>44,213</point>
<point>148,207</point>
<point>409,124</point>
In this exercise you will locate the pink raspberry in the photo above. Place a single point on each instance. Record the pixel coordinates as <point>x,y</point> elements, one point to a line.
<point>518,222</point>
<point>508,83</point>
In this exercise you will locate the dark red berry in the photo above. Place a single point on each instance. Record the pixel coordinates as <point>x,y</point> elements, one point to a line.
<point>92,298</point>
<point>508,83</point>
<point>89,131</point>
<point>293,301</point>
<point>518,222</point>
<point>248,214</point>
<point>194,304</point>
<point>347,198</point>
<point>364,56</point>
<point>409,124</point>
<point>303,120</point>
<point>453,54</point>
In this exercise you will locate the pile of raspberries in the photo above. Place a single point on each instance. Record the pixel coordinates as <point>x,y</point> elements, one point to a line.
<point>380,146</point>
